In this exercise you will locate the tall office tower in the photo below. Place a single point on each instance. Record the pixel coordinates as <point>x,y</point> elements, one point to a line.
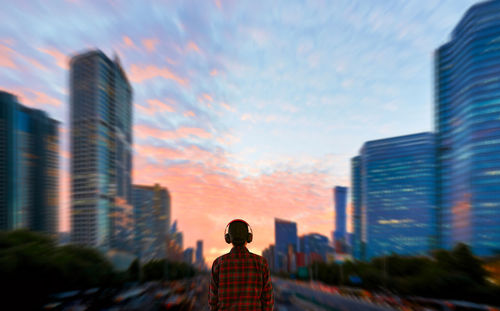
<point>285,234</point>
<point>199,253</point>
<point>268,254</point>
<point>152,220</point>
<point>398,183</point>
<point>358,243</point>
<point>314,243</point>
<point>467,105</point>
<point>340,197</point>
<point>101,148</point>
<point>29,168</point>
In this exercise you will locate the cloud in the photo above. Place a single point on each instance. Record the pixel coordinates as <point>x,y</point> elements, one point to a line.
<point>150,44</point>
<point>128,42</point>
<point>191,46</point>
<point>213,72</point>
<point>154,106</point>
<point>247,116</point>
<point>139,74</point>
<point>145,131</point>
<point>36,99</point>
<point>6,57</point>
<point>189,114</point>
<point>61,59</point>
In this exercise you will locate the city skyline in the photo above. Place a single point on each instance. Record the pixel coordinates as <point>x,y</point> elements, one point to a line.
<point>194,122</point>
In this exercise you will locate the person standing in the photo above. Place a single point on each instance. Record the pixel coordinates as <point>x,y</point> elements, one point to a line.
<point>240,280</point>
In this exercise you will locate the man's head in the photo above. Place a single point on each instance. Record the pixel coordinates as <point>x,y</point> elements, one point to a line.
<point>238,231</point>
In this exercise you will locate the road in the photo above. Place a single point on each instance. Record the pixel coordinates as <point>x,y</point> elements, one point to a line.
<point>289,296</point>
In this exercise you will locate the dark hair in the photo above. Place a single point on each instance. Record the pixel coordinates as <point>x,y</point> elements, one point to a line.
<point>238,230</point>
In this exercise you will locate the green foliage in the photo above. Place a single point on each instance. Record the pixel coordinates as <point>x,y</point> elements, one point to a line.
<point>455,274</point>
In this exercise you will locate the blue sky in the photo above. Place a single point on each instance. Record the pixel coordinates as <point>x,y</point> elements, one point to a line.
<point>236,101</point>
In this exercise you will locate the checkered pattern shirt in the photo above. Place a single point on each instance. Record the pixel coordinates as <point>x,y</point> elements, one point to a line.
<point>240,281</point>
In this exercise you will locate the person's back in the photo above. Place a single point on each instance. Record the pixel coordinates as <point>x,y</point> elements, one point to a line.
<point>240,280</point>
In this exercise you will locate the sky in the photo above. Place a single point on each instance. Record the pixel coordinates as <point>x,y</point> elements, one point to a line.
<point>242,109</point>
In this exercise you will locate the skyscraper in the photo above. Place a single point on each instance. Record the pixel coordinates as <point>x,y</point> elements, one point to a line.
<point>101,148</point>
<point>188,255</point>
<point>340,196</point>
<point>356,199</point>
<point>398,198</point>
<point>29,168</point>
<point>314,243</point>
<point>199,252</point>
<point>285,234</point>
<point>152,220</point>
<point>467,105</point>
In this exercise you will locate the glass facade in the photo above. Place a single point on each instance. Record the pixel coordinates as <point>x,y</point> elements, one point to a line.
<point>314,243</point>
<point>340,197</point>
<point>101,147</point>
<point>29,168</point>
<point>397,181</point>
<point>356,199</point>
<point>467,109</point>
<point>285,234</point>
<point>152,221</point>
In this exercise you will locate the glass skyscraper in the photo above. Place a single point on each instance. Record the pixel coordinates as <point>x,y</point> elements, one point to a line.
<point>314,243</point>
<point>356,199</point>
<point>29,168</point>
<point>101,148</point>
<point>152,221</point>
<point>467,110</point>
<point>285,234</point>
<point>396,178</point>
<point>340,197</point>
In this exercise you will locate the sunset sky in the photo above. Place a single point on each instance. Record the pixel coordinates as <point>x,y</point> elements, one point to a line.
<point>242,109</point>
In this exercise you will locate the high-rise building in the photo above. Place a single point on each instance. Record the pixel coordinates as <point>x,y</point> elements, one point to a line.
<point>101,149</point>
<point>29,168</point>
<point>398,182</point>
<point>467,105</point>
<point>357,219</point>
<point>152,220</point>
<point>340,197</point>
<point>285,234</point>
<point>189,255</point>
<point>268,254</point>
<point>314,243</point>
<point>199,253</point>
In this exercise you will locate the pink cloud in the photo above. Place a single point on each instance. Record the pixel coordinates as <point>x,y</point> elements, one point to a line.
<point>227,107</point>
<point>189,114</point>
<point>150,44</point>
<point>61,59</point>
<point>128,42</point>
<point>191,46</point>
<point>36,99</point>
<point>213,72</point>
<point>6,57</point>
<point>154,106</point>
<point>208,97</point>
<point>139,74</point>
<point>144,131</point>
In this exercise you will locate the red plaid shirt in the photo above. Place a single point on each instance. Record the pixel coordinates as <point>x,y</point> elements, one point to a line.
<point>240,281</point>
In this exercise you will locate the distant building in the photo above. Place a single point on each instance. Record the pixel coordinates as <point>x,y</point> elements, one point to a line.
<point>268,254</point>
<point>397,182</point>
<point>285,234</point>
<point>199,254</point>
<point>29,168</point>
<point>152,220</point>
<point>101,153</point>
<point>189,255</point>
<point>467,88</point>
<point>340,197</point>
<point>314,243</point>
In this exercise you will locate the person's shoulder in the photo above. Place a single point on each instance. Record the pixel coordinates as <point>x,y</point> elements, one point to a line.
<point>259,258</point>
